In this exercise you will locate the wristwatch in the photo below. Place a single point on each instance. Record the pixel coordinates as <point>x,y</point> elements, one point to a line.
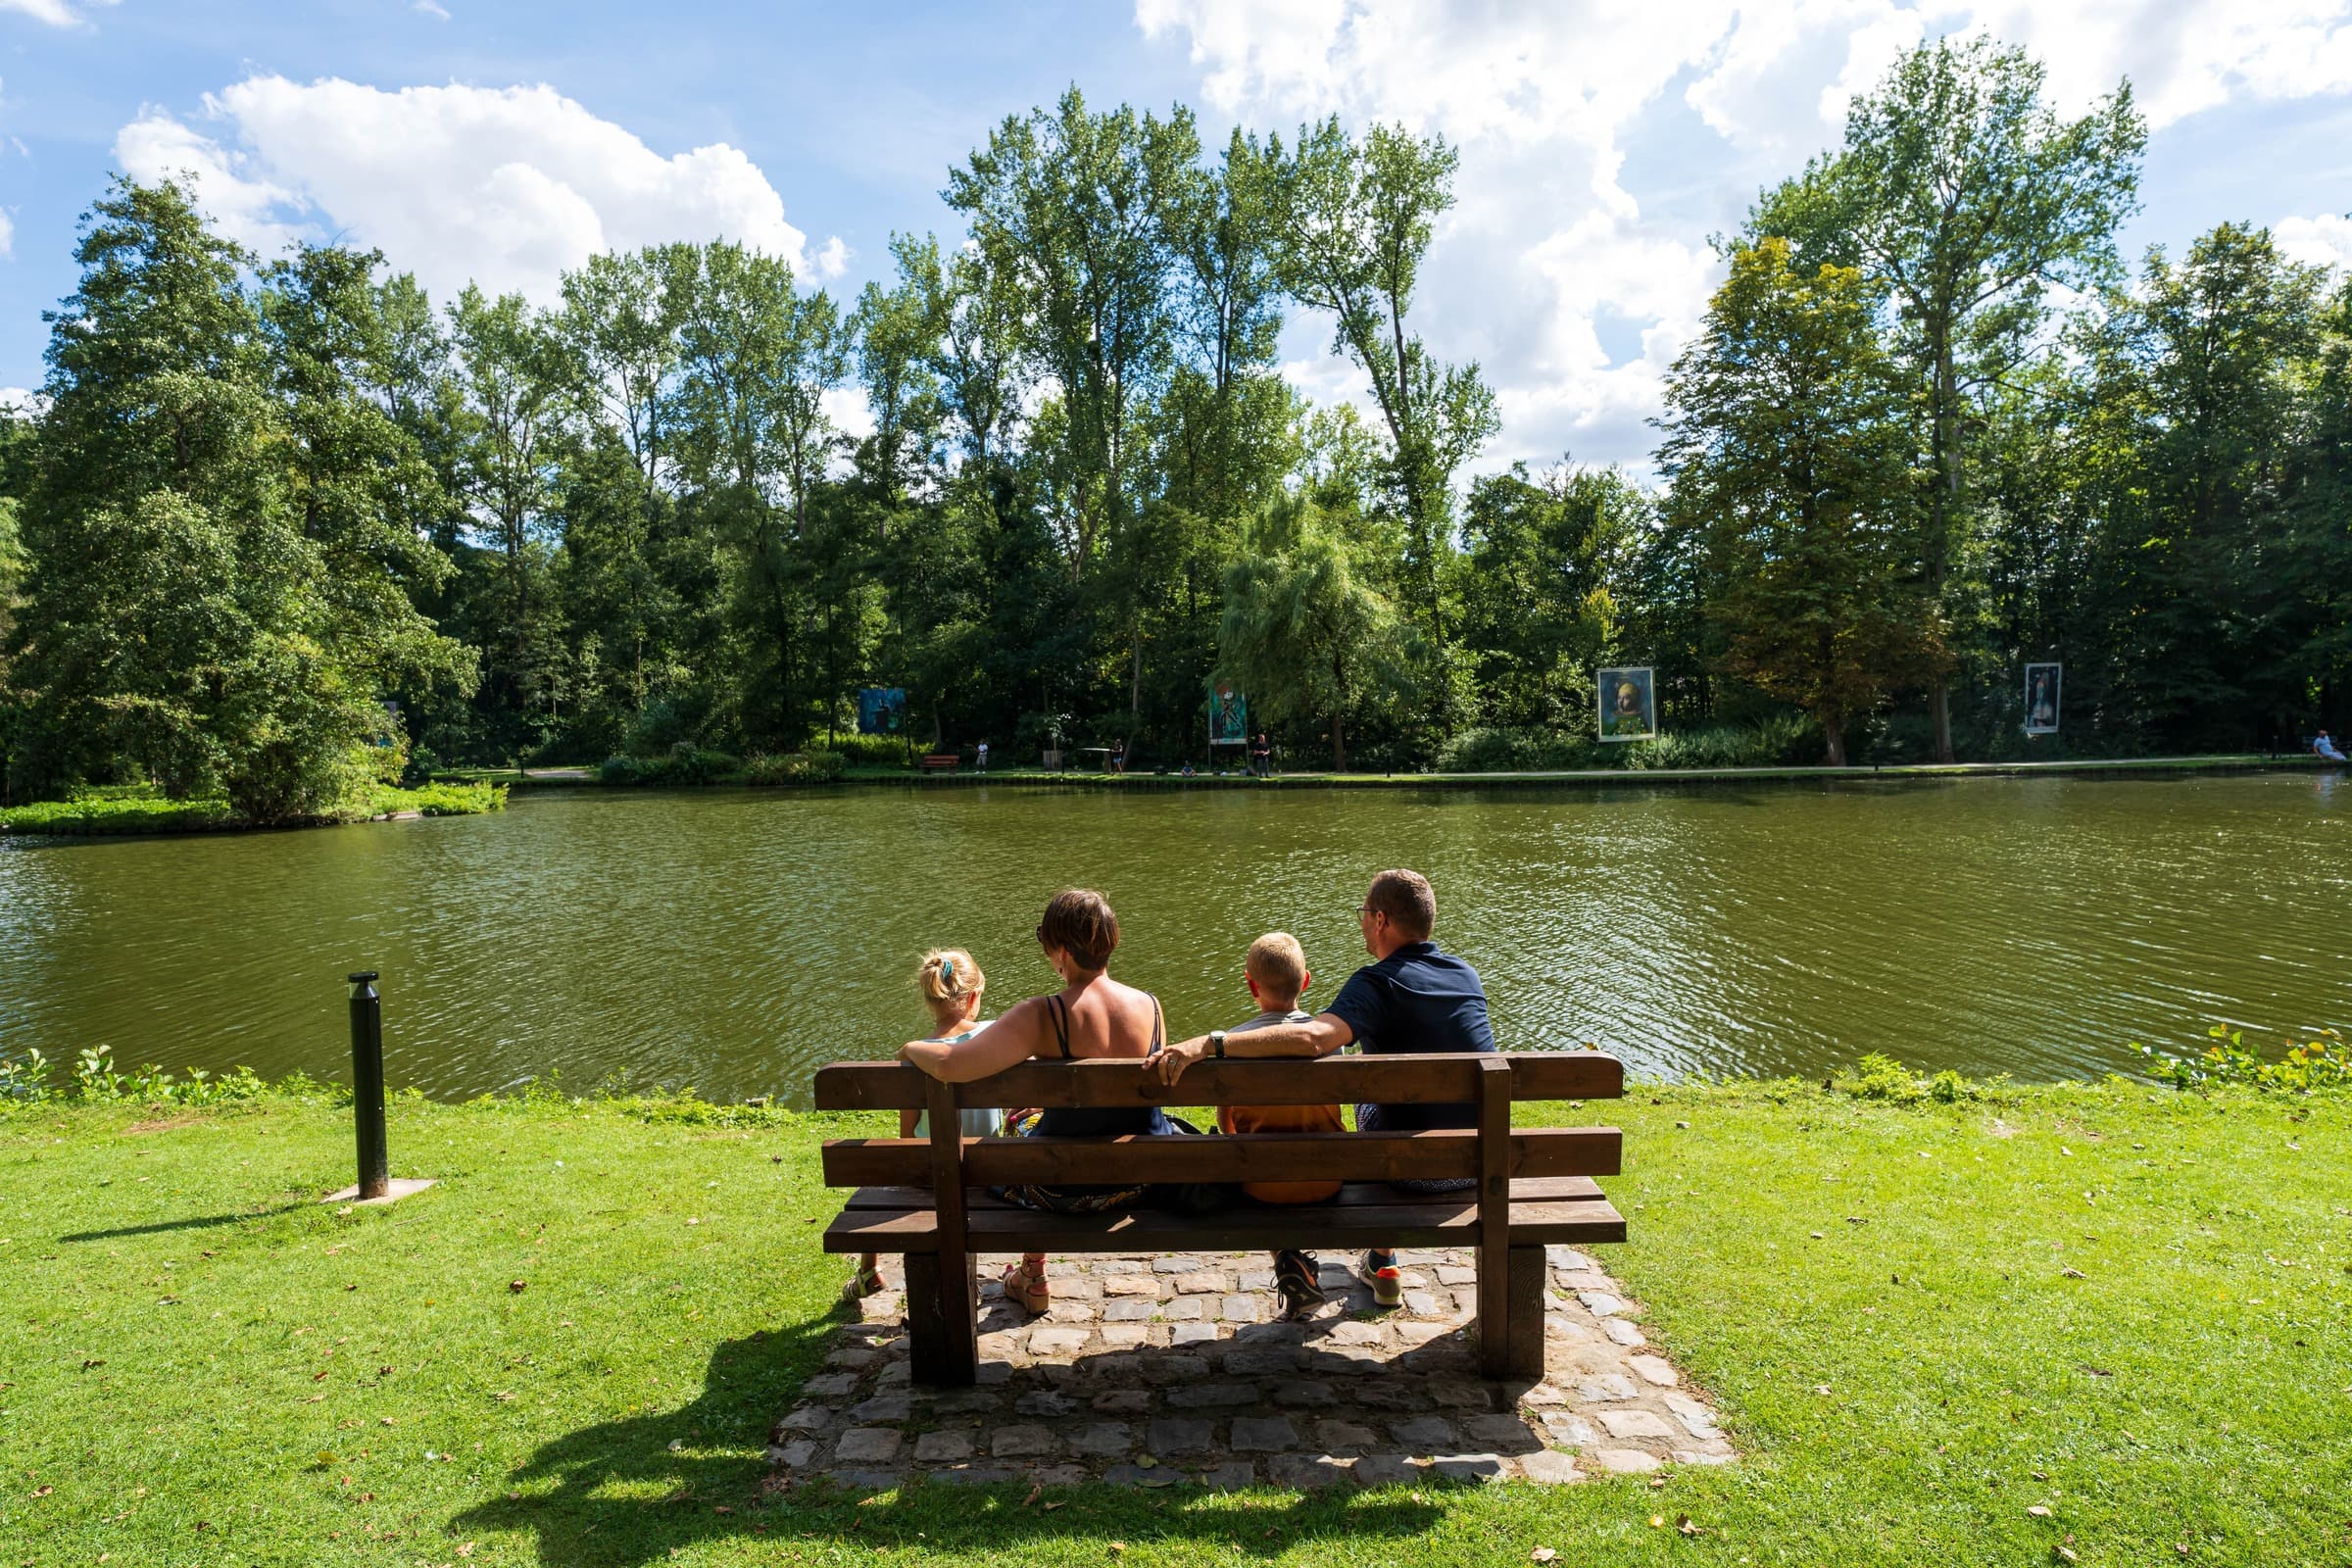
<point>1216,1043</point>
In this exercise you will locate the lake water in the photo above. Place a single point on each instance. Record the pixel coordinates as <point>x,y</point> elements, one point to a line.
<point>732,940</point>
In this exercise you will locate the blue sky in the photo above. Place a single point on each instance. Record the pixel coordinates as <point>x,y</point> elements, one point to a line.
<point>1603,142</point>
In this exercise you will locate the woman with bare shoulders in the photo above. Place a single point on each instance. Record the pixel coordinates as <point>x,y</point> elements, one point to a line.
<point>1092,1016</point>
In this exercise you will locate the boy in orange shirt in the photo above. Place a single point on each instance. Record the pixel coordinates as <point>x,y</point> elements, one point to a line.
<point>1276,973</point>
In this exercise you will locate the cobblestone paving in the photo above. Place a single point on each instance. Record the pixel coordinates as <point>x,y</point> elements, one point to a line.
<point>1159,1371</point>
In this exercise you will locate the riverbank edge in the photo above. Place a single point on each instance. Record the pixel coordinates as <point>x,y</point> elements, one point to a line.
<point>146,819</point>
<point>1034,778</point>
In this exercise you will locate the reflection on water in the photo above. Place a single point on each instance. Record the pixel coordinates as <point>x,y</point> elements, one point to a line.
<point>731,940</point>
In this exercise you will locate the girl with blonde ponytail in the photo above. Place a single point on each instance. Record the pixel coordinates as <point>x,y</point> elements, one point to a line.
<point>951,984</point>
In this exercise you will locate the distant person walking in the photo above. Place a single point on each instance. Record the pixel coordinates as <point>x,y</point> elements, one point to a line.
<point>1262,757</point>
<point>983,757</point>
<point>1118,754</point>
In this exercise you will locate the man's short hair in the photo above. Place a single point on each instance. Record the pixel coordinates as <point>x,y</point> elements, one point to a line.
<point>1276,963</point>
<point>1079,922</point>
<point>1405,899</point>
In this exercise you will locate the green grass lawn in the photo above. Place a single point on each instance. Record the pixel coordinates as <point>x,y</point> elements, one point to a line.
<point>1921,1323</point>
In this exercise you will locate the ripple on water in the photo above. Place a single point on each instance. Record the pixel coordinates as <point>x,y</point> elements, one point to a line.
<point>732,940</point>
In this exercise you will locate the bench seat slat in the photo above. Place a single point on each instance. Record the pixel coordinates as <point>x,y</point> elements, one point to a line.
<point>1404,1220</point>
<point>1333,1080</point>
<point>1526,1190</point>
<point>1248,1158</point>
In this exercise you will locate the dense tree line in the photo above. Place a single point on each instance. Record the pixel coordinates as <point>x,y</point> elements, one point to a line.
<point>280,523</point>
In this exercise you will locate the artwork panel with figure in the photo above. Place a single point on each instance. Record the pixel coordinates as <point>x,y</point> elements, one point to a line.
<point>1228,716</point>
<point>2042,699</point>
<point>881,709</point>
<point>1629,705</point>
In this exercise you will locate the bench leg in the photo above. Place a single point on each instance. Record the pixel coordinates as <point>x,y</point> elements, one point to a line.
<point>943,1343</point>
<point>1523,1302</point>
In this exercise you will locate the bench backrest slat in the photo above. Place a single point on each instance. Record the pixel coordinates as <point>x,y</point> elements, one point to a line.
<point>1333,1080</point>
<point>1248,1158</point>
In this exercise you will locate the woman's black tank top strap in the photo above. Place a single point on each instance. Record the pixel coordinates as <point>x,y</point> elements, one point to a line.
<point>1097,1121</point>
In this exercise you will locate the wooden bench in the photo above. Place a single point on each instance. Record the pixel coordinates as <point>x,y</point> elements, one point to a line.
<point>938,762</point>
<point>927,1199</point>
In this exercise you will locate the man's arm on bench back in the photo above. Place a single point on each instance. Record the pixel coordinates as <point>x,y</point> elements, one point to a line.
<point>1319,1036</point>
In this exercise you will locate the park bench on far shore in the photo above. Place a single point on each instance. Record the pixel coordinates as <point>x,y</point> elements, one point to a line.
<point>928,1198</point>
<point>938,762</point>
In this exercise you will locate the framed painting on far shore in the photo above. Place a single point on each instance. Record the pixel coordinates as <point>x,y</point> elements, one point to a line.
<point>1629,705</point>
<point>2041,698</point>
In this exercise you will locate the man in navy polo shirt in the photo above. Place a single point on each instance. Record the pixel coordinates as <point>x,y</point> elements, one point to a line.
<point>1411,997</point>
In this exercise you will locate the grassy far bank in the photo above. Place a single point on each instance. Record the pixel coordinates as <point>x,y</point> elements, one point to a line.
<point>114,811</point>
<point>2117,1304</point>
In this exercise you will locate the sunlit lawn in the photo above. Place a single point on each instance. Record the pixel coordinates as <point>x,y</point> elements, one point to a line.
<point>2126,1308</point>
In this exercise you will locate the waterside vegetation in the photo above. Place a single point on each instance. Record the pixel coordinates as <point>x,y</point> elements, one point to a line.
<point>1933,426</point>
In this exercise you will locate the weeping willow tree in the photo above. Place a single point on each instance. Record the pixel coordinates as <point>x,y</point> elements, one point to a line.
<point>1305,631</point>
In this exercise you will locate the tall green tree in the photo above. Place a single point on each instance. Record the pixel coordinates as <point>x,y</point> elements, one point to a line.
<point>1785,440</point>
<point>1352,221</point>
<point>179,624</point>
<point>2200,376</point>
<point>1967,197</point>
<point>1543,569</point>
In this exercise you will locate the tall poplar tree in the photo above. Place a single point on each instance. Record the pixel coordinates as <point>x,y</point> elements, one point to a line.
<point>1968,197</point>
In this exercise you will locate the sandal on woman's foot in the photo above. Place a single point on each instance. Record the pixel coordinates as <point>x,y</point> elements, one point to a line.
<point>867,1281</point>
<point>1026,1287</point>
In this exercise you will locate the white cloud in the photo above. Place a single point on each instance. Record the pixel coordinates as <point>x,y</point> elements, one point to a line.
<point>2325,239</point>
<point>832,257</point>
<point>506,187</point>
<point>56,12</point>
<point>1575,283</point>
<point>18,403</point>
<point>7,235</point>
<point>438,12</point>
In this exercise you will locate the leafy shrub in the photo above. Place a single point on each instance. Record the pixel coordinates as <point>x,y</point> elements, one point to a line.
<point>95,1078</point>
<point>2325,1061</point>
<point>108,813</point>
<point>1496,750</point>
<point>683,763</point>
<point>796,767</point>
<point>874,751</point>
<point>1879,1076</point>
<point>24,1077</point>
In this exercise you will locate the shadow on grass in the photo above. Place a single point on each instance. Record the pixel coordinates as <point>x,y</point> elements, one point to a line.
<point>197,1222</point>
<point>617,1494</point>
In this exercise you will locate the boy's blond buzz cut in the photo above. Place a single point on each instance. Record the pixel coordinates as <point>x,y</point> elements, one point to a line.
<point>1278,964</point>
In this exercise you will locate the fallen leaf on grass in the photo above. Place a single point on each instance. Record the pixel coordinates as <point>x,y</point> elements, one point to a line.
<point>2039,1510</point>
<point>1541,1554</point>
<point>2072,1274</point>
<point>318,1377</point>
<point>340,1212</point>
<point>1685,1526</point>
<point>1118,1545</point>
<point>1657,1521</point>
<point>2066,1555</point>
<point>518,1285</point>
<point>1035,1491</point>
<point>43,1491</point>
<point>465,1548</point>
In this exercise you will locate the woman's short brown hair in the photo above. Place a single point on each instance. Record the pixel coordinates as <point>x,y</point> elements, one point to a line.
<point>1080,923</point>
<point>1405,899</point>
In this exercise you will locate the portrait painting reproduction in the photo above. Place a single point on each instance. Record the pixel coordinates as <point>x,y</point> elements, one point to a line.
<point>1628,705</point>
<point>2042,699</point>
